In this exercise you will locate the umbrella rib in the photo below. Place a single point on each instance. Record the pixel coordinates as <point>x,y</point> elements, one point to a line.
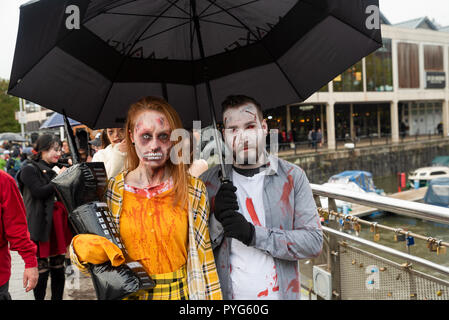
<point>207,8</point>
<point>222,9</point>
<point>192,35</point>
<point>160,32</point>
<point>145,15</point>
<point>266,49</point>
<point>125,56</point>
<point>223,24</point>
<point>174,4</point>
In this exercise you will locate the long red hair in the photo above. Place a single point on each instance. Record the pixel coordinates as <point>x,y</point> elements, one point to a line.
<point>177,171</point>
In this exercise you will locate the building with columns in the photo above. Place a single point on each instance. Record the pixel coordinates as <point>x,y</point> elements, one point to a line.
<point>400,90</point>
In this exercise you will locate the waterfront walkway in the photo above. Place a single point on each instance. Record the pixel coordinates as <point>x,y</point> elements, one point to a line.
<point>303,148</point>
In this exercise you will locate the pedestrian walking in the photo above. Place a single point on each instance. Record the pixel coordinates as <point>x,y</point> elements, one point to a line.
<point>46,216</point>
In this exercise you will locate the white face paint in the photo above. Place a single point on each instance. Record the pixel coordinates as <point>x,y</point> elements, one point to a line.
<point>151,137</point>
<point>245,133</point>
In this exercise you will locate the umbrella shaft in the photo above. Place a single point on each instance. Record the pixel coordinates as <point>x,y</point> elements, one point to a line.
<point>196,22</point>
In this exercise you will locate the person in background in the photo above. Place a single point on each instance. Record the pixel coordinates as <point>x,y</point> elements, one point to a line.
<point>23,157</point>
<point>113,156</point>
<point>66,156</point>
<point>440,128</point>
<point>403,129</point>
<point>14,236</point>
<point>310,137</point>
<point>314,138</point>
<point>95,143</point>
<point>161,210</point>
<point>104,139</point>
<point>3,161</point>
<point>319,137</point>
<point>46,216</point>
<point>84,155</point>
<point>13,165</point>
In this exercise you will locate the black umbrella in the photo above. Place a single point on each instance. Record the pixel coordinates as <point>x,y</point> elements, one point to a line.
<point>194,52</point>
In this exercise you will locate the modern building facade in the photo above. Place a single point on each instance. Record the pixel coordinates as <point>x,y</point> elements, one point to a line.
<point>401,89</point>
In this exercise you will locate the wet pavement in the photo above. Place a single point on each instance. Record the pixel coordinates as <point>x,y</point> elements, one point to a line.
<point>77,286</point>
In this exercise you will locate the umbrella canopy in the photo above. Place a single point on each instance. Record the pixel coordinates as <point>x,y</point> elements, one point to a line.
<point>9,136</point>
<point>57,120</point>
<point>194,52</point>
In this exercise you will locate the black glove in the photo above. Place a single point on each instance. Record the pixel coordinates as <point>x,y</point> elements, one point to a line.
<point>225,200</point>
<point>234,224</point>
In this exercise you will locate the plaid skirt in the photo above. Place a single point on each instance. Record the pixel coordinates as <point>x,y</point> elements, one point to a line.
<point>169,286</point>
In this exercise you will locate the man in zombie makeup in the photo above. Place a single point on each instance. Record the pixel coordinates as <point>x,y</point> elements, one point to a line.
<point>264,219</point>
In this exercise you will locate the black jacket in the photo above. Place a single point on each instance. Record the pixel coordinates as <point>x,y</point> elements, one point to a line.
<point>39,197</point>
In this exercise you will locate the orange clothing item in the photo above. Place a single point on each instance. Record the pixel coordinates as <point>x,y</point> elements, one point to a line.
<point>95,249</point>
<point>154,232</point>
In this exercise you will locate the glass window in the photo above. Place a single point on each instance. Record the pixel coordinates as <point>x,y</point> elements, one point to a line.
<point>324,89</point>
<point>433,58</point>
<point>408,64</point>
<point>350,80</point>
<point>437,173</point>
<point>379,69</point>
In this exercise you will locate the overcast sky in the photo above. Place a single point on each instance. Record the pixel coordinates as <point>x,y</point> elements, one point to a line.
<point>395,10</point>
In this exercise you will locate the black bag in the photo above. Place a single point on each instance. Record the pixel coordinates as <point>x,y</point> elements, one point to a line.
<point>111,283</point>
<point>80,188</point>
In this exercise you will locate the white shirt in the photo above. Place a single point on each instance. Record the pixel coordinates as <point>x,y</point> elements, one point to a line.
<point>113,159</point>
<point>253,272</point>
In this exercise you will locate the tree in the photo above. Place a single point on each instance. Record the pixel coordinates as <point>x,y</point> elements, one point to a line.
<point>8,106</point>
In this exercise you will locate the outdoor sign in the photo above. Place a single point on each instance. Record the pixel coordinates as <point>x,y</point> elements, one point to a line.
<point>306,108</point>
<point>436,80</point>
<point>21,116</point>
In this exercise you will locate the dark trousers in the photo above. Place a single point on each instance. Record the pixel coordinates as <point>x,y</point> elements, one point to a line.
<point>4,294</point>
<point>53,267</point>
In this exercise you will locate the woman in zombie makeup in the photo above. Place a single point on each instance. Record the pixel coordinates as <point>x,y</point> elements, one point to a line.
<point>162,211</point>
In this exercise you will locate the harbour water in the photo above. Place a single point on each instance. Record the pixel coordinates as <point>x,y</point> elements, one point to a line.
<point>419,226</point>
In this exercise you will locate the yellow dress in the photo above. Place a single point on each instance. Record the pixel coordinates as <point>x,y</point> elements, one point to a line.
<point>155,233</point>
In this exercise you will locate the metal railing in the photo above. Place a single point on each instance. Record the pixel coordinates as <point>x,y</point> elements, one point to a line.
<point>304,146</point>
<point>401,207</point>
<point>357,273</point>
